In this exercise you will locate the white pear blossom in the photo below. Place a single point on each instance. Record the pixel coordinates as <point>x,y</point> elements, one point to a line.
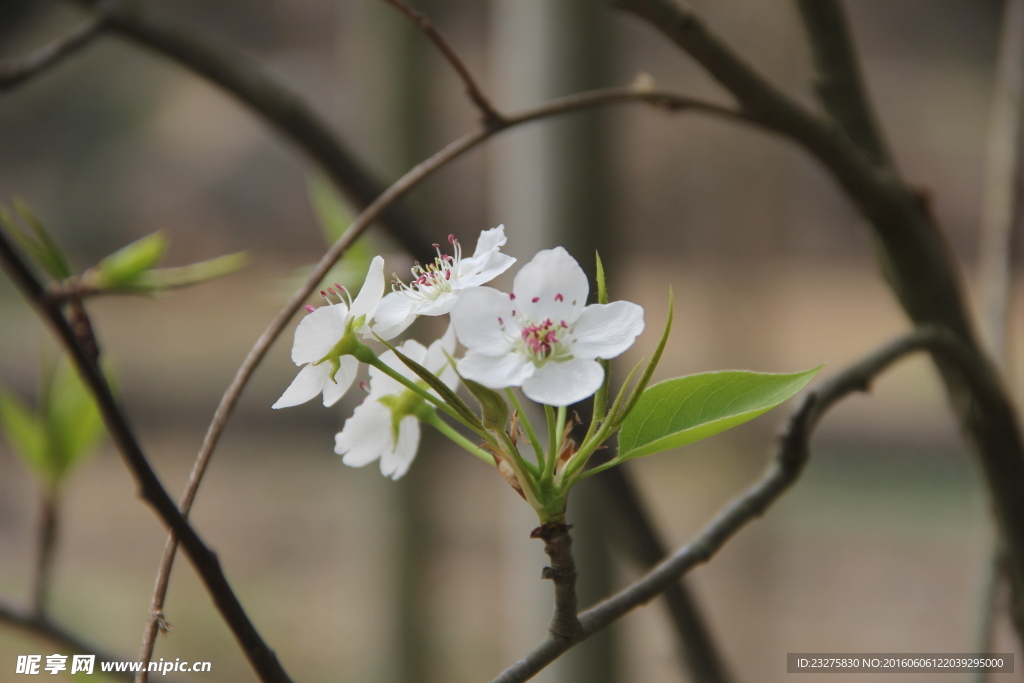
<point>435,287</point>
<point>385,425</point>
<point>326,369</point>
<point>542,336</point>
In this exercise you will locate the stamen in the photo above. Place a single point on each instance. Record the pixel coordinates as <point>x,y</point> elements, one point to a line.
<point>512,296</point>
<point>535,299</point>
<point>559,297</point>
<point>310,308</point>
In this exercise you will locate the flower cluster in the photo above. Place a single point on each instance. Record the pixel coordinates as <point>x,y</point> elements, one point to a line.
<point>541,338</point>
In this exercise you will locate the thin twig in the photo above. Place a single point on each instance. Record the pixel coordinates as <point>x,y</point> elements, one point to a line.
<point>58,635</point>
<point>205,561</point>
<point>839,85</point>
<point>699,652</point>
<point>488,112</point>
<point>47,543</point>
<point>667,100</point>
<point>791,455</point>
<point>15,72</point>
<point>913,253</point>
<point>283,109</point>
<point>1000,217</point>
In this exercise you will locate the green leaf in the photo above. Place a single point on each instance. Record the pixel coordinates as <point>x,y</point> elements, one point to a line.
<point>124,267</point>
<point>681,411</point>
<point>435,383</point>
<point>602,287</point>
<point>331,211</point>
<point>25,432</point>
<point>73,420</point>
<point>492,404</point>
<point>50,255</point>
<point>159,279</point>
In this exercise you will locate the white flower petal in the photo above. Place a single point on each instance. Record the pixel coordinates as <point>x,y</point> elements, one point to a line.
<point>562,384</point>
<point>551,286</point>
<point>478,270</point>
<point>437,353</point>
<point>496,372</point>
<point>334,390</point>
<point>372,291</point>
<point>478,316</point>
<point>606,330</point>
<point>490,240</point>
<point>394,314</point>
<point>307,384</point>
<point>366,434</point>
<point>395,462</point>
<point>318,332</point>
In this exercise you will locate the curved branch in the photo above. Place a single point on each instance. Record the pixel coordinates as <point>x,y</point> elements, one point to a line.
<point>281,108</point>
<point>666,100</point>
<point>18,71</point>
<point>58,635</point>
<point>791,455</point>
<point>487,111</point>
<point>260,656</point>
<point>913,254</point>
<point>840,85</point>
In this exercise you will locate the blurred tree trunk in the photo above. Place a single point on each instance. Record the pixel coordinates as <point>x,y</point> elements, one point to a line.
<point>550,186</point>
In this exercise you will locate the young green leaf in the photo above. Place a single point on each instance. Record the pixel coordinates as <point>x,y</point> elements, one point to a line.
<point>159,279</point>
<point>681,411</point>
<point>124,267</point>
<point>495,410</point>
<point>25,432</point>
<point>50,255</point>
<point>73,420</point>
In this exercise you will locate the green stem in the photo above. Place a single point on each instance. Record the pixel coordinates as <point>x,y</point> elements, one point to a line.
<point>431,418</point>
<point>521,462</point>
<point>423,393</point>
<point>549,466</point>
<point>549,414</point>
<point>523,420</point>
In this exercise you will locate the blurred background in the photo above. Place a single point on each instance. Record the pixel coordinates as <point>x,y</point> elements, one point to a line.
<point>881,547</point>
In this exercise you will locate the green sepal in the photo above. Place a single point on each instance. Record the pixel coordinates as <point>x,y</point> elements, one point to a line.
<point>492,405</point>
<point>602,287</point>
<point>123,268</point>
<point>401,406</point>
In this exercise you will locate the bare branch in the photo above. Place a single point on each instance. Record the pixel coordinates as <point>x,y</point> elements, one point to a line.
<point>260,656</point>
<point>666,100</point>
<point>47,542</point>
<point>487,111</point>
<point>18,71</point>
<point>42,627</point>
<point>913,253</point>
<point>840,86</point>
<point>791,455</point>
<point>700,654</point>
<point>272,101</point>
<point>562,572</point>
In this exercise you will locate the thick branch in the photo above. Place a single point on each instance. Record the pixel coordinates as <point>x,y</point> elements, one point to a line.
<point>666,100</point>
<point>18,71</point>
<point>281,108</point>
<point>913,254</point>
<point>562,572</point>
<point>840,85</point>
<point>790,457</point>
<point>489,114</point>
<point>58,635</point>
<point>260,656</point>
